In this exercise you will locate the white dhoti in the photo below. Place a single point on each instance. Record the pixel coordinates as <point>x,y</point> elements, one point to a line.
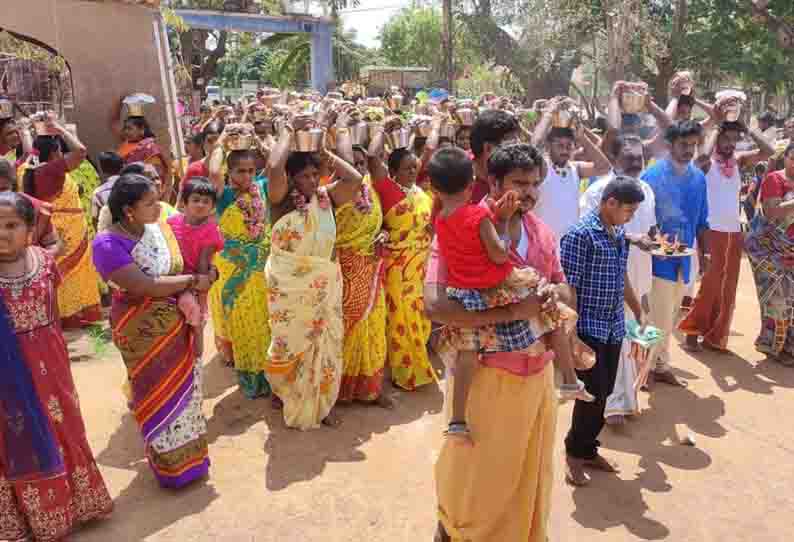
<point>633,369</point>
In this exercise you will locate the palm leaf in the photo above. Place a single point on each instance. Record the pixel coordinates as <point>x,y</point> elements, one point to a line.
<point>301,50</point>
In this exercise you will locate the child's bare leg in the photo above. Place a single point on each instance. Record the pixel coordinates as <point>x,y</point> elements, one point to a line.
<point>562,344</point>
<point>563,355</point>
<point>465,366</point>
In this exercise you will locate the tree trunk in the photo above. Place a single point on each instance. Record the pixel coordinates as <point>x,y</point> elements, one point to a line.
<point>622,21</point>
<point>500,47</point>
<point>203,63</point>
<point>665,72</point>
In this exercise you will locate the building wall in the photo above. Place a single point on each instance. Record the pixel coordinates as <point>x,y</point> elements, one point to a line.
<point>110,48</point>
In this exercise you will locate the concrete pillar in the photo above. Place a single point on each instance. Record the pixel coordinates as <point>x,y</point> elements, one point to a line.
<point>322,57</point>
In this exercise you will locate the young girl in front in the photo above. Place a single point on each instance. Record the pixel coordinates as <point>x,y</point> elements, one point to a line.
<point>49,481</point>
<point>199,239</point>
<point>476,248</point>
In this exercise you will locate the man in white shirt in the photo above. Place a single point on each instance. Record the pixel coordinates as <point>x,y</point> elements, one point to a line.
<point>712,311</point>
<point>558,203</point>
<point>628,151</point>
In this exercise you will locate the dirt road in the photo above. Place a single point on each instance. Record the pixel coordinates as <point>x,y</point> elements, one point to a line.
<point>371,480</point>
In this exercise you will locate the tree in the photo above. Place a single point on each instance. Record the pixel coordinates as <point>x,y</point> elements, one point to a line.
<point>295,56</point>
<point>413,37</point>
<point>539,41</point>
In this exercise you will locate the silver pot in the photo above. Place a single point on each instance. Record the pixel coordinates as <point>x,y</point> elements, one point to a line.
<point>564,118</point>
<point>448,130</point>
<point>6,109</point>
<point>308,140</point>
<point>399,139</point>
<point>359,134</point>
<point>732,110</point>
<point>240,142</point>
<point>423,125</point>
<point>633,102</point>
<point>395,101</point>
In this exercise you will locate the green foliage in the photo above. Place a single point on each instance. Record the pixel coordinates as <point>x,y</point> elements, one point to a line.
<point>24,50</point>
<point>413,37</point>
<point>482,78</point>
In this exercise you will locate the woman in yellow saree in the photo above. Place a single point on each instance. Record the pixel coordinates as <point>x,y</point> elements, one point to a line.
<point>238,301</point>
<point>305,282</point>
<point>406,218</point>
<point>50,181</point>
<point>359,246</point>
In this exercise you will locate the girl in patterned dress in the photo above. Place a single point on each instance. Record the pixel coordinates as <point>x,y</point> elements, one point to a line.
<point>64,488</point>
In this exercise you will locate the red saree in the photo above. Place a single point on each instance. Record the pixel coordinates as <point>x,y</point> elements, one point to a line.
<point>50,508</point>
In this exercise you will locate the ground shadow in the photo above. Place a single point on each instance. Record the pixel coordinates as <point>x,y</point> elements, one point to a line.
<point>611,501</point>
<point>143,509</point>
<point>732,372</point>
<point>125,446</point>
<point>218,378</point>
<point>232,415</point>
<point>319,447</point>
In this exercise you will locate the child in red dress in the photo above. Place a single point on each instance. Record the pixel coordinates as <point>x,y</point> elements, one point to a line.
<point>199,239</point>
<point>476,247</point>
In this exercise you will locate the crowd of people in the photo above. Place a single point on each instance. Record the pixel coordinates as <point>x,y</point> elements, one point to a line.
<point>338,246</point>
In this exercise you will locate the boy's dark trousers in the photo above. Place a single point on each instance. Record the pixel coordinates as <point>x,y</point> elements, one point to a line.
<point>588,418</point>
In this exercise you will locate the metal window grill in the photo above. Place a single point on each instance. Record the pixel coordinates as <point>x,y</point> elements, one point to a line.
<point>32,87</point>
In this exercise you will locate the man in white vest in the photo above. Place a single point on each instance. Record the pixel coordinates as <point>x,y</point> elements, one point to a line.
<point>558,203</point>
<point>712,311</point>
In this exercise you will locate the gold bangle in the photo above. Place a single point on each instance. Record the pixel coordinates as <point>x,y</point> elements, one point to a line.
<point>342,131</point>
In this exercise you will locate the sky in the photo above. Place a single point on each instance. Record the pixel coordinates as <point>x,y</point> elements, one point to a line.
<point>370,16</point>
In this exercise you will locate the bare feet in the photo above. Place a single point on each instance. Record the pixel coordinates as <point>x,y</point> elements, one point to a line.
<point>332,420</point>
<point>667,377</point>
<point>691,344</point>
<point>574,472</point>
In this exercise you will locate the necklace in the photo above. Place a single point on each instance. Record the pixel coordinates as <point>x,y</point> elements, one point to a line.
<point>128,232</point>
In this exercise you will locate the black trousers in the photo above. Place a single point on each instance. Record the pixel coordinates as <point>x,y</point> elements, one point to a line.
<point>588,418</point>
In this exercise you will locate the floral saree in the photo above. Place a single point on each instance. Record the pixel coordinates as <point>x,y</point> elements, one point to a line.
<point>358,223</point>
<point>406,218</point>
<point>238,300</point>
<point>771,253</point>
<point>157,347</point>
<point>305,296</point>
<point>42,500</point>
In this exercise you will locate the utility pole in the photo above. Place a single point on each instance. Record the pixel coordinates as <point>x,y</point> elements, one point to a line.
<point>447,37</point>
